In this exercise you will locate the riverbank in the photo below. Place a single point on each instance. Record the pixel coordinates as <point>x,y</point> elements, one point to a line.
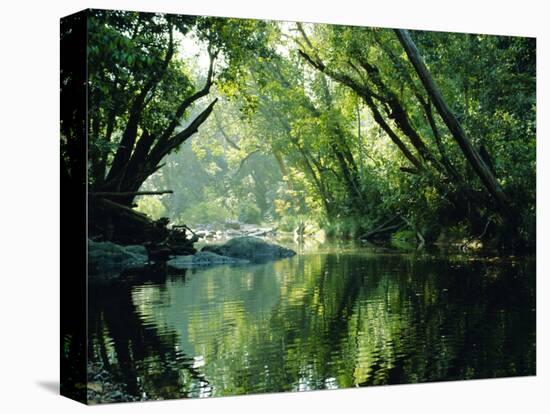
<point>108,262</point>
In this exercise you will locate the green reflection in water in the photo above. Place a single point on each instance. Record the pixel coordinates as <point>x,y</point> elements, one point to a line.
<point>319,321</point>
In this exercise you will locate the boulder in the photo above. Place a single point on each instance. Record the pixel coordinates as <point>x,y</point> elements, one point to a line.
<point>250,248</point>
<point>106,258</point>
<point>203,259</point>
<point>136,249</point>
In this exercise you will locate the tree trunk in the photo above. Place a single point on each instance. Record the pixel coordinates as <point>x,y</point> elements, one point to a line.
<point>147,155</point>
<point>471,154</point>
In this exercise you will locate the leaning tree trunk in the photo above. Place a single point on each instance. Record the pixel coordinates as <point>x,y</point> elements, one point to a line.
<point>472,155</point>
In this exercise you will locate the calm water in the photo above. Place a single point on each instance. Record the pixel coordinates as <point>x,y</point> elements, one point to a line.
<point>323,319</point>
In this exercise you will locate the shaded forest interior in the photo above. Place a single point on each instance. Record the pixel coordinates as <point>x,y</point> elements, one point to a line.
<point>360,132</point>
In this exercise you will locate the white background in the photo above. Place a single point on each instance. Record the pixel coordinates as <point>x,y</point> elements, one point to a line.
<point>29,204</point>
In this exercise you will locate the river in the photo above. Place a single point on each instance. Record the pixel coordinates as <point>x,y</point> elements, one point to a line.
<point>333,316</point>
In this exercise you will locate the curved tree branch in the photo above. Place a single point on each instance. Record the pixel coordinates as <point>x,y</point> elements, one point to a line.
<point>366,95</point>
<point>187,102</point>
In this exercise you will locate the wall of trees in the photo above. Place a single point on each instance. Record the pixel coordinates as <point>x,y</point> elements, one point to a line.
<point>355,129</point>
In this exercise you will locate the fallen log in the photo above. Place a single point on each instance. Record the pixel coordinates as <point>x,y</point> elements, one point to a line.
<point>385,227</point>
<point>115,222</point>
<point>379,231</point>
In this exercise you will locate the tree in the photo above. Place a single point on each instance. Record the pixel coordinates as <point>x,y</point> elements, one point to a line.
<point>336,123</point>
<point>472,155</point>
<point>140,89</point>
<point>142,92</point>
<point>370,62</point>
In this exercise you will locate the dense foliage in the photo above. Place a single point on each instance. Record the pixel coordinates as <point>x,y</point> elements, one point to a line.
<point>332,125</point>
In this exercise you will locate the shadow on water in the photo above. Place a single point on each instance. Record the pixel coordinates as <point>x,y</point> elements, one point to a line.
<point>316,321</point>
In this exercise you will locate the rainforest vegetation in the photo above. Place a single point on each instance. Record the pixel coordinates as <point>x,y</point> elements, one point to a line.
<point>388,178</point>
<point>364,133</point>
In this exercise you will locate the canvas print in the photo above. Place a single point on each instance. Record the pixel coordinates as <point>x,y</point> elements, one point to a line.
<point>255,206</point>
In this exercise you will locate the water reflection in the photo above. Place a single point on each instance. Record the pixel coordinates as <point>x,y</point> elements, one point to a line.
<point>317,321</point>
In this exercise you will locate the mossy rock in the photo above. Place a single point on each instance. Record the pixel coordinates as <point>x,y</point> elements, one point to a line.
<point>203,258</point>
<point>108,258</point>
<point>250,248</point>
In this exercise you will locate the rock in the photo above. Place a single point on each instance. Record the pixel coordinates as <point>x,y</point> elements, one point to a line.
<point>251,248</point>
<point>234,225</point>
<point>203,258</point>
<point>233,233</point>
<point>201,233</point>
<point>108,259</point>
<point>262,232</point>
<point>136,249</point>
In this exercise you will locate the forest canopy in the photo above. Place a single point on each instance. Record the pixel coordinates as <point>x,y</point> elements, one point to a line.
<point>355,130</point>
